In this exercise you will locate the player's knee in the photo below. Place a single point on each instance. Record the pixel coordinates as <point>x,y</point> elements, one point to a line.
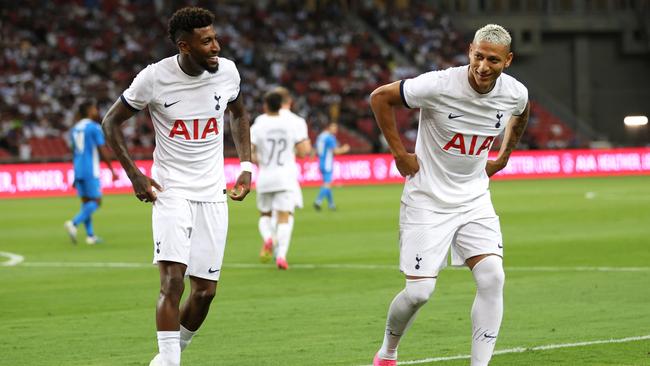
<point>283,217</point>
<point>204,296</point>
<point>172,285</point>
<point>489,274</point>
<point>419,290</point>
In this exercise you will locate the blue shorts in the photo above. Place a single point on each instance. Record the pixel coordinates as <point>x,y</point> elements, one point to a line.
<point>88,188</point>
<point>327,176</point>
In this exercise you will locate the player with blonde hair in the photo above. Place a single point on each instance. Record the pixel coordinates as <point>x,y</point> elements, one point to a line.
<point>446,203</point>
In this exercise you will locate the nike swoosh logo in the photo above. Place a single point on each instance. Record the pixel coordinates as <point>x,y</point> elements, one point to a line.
<point>210,270</point>
<point>171,104</point>
<point>488,336</point>
<point>500,245</point>
<point>451,116</point>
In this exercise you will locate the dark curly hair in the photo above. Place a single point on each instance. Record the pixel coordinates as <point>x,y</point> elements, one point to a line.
<point>187,19</point>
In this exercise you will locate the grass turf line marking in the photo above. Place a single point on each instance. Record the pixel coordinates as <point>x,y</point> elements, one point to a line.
<point>529,349</point>
<point>14,259</point>
<point>324,266</point>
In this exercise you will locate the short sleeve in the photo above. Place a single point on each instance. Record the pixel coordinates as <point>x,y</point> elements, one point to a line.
<point>522,101</point>
<point>254,131</point>
<point>421,91</point>
<point>331,142</point>
<point>236,83</point>
<point>301,130</point>
<point>140,93</point>
<point>98,135</point>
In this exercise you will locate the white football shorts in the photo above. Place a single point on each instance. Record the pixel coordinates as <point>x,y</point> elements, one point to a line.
<point>190,232</point>
<point>425,238</point>
<point>297,197</point>
<point>276,201</point>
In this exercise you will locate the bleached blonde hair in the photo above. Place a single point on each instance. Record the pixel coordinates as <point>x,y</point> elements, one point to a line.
<point>493,33</point>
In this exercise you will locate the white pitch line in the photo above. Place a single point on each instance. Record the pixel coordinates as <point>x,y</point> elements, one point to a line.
<point>529,349</point>
<point>13,259</point>
<point>321,266</point>
<point>87,265</point>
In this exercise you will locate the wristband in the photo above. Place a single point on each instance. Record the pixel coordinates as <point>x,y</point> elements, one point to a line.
<point>246,166</point>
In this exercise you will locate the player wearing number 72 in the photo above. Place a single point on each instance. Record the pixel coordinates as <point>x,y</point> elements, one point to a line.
<point>274,137</point>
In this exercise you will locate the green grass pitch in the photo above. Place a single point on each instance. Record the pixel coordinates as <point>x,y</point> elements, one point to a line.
<point>555,233</point>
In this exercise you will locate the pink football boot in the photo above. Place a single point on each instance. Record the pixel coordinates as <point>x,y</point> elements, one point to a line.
<point>381,362</point>
<point>282,263</point>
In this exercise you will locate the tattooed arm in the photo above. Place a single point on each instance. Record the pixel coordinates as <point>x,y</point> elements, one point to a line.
<point>515,129</point>
<point>112,126</point>
<point>240,129</point>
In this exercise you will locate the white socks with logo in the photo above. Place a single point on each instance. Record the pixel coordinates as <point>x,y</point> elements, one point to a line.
<point>487,310</point>
<point>402,312</point>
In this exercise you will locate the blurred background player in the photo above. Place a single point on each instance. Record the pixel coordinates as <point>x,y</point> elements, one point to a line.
<point>88,146</point>
<point>326,147</point>
<point>274,136</point>
<point>446,203</point>
<point>302,130</point>
<point>187,95</point>
<point>267,224</point>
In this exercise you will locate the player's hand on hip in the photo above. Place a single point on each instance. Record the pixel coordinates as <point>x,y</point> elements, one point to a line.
<point>143,188</point>
<point>493,166</point>
<point>241,188</point>
<point>407,164</point>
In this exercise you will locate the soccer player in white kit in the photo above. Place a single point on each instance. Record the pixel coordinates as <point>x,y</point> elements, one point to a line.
<point>301,128</point>
<point>274,136</point>
<point>187,95</point>
<point>446,201</point>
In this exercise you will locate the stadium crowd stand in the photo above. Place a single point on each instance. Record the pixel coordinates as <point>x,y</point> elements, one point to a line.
<point>56,53</point>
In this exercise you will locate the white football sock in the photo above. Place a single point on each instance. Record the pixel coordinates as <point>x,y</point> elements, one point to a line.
<point>169,347</point>
<point>284,238</point>
<point>402,312</point>
<point>186,337</point>
<point>265,227</point>
<point>487,310</point>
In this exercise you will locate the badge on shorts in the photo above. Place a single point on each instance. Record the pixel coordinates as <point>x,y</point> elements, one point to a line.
<point>418,259</point>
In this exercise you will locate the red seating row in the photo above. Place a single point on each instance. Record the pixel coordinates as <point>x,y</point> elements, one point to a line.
<point>47,147</point>
<point>547,130</point>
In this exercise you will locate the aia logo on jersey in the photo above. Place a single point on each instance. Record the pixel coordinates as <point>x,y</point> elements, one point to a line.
<point>196,132</point>
<point>459,142</point>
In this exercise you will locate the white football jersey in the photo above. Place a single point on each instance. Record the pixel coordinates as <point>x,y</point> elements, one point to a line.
<point>188,116</point>
<point>275,138</point>
<point>457,128</point>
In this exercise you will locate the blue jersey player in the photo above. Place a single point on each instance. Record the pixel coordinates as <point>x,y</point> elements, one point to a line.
<point>327,147</point>
<point>87,143</point>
